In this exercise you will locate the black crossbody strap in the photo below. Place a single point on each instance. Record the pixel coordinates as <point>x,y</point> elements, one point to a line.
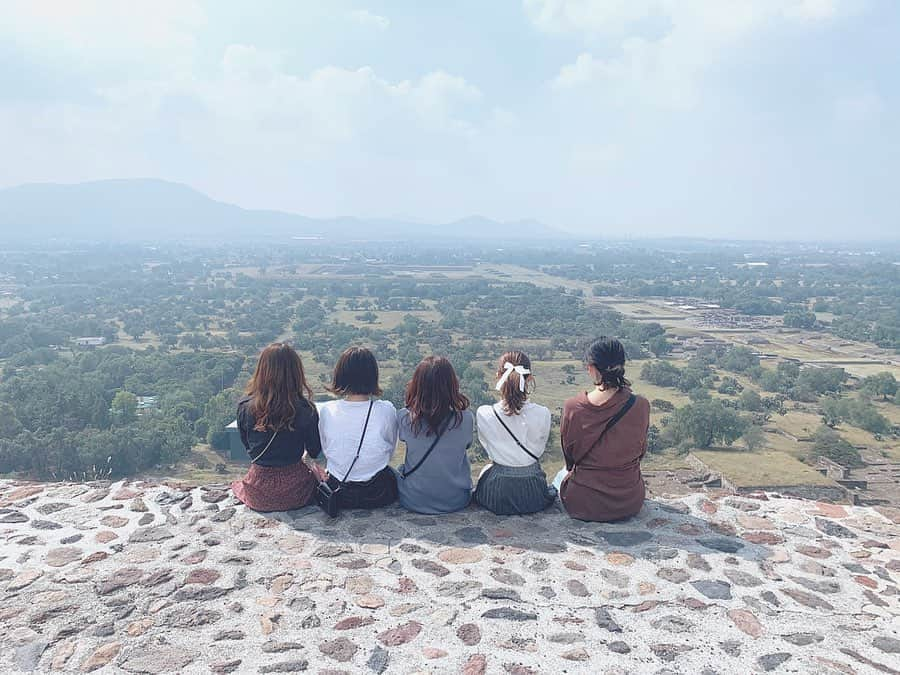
<point>518,442</point>
<point>609,425</point>
<point>361,439</point>
<point>444,427</point>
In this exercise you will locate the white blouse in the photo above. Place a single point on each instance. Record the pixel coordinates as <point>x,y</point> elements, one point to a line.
<point>531,426</point>
<point>340,427</point>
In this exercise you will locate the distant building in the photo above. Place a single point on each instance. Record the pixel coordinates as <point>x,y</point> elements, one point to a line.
<point>146,404</point>
<point>90,341</point>
<point>236,450</point>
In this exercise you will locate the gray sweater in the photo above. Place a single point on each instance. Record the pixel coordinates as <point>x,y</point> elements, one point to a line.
<point>443,483</point>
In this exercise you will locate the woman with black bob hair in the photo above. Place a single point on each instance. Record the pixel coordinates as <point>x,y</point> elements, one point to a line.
<point>359,434</point>
<point>604,436</point>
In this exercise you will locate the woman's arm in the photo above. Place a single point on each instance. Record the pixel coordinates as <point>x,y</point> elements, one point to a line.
<point>242,426</point>
<point>482,421</point>
<point>564,437</point>
<point>313,442</point>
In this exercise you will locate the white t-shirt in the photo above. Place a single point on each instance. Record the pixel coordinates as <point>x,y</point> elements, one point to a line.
<point>340,427</point>
<point>531,426</point>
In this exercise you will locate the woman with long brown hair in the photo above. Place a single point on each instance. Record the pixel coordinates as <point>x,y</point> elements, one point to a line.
<point>437,427</point>
<point>279,426</point>
<point>514,433</point>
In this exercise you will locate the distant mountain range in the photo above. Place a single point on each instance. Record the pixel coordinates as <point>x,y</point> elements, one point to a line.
<point>150,209</point>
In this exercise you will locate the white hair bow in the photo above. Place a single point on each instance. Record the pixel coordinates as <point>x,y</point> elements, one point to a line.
<point>509,368</point>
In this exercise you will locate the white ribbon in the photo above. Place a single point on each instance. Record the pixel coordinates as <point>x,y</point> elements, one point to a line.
<point>509,368</point>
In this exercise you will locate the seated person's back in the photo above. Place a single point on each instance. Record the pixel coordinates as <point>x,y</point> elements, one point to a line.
<point>365,481</point>
<point>604,437</point>
<point>514,434</point>
<point>437,428</point>
<point>279,428</point>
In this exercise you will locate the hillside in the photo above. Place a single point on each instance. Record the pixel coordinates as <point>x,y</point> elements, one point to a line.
<point>154,578</point>
<point>148,209</point>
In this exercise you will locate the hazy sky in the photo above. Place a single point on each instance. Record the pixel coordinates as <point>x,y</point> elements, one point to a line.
<point>749,118</point>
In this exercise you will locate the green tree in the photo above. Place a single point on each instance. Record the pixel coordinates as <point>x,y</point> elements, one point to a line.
<point>754,437</point>
<point>739,360</point>
<point>219,412</point>
<point>799,319</point>
<point>659,345</point>
<point>730,386</point>
<point>707,422</point>
<point>881,384</point>
<point>751,401</point>
<point>124,407</point>
<point>831,445</point>
<point>10,426</point>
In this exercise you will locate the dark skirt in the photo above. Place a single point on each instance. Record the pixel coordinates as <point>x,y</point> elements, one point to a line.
<point>277,488</point>
<point>511,490</point>
<point>380,490</point>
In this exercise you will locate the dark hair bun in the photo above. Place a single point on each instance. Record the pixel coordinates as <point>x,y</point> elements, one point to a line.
<point>607,355</point>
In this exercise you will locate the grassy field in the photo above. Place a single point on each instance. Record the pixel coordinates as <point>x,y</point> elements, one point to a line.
<point>764,468</point>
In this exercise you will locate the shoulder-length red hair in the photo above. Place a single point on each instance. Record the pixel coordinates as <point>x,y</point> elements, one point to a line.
<point>433,394</point>
<point>276,386</point>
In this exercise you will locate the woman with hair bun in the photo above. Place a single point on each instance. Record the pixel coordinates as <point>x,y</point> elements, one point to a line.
<point>514,434</point>
<point>604,437</point>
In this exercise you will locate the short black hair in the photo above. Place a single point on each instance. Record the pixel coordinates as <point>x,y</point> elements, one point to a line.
<point>356,372</point>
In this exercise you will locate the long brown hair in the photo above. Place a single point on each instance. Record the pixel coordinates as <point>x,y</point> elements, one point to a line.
<point>276,385</point>
<point>432,394</point>
<point>511,392</point>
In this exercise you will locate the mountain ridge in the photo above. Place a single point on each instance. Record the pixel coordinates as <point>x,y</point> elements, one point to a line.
<point>152,208</point>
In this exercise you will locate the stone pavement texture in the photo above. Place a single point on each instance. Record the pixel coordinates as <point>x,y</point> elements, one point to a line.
<point>143,578</point>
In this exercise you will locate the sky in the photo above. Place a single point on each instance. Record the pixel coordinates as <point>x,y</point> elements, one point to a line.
<point>762,119</point>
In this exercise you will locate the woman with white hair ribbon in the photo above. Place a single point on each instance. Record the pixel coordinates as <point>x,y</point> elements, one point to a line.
<point>514,433</point>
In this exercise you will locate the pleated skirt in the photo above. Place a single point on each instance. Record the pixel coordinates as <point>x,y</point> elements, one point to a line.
<point>278,488</point>
<point>511,490</point>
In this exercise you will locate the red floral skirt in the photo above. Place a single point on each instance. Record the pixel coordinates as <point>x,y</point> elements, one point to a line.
<point>278,488</point>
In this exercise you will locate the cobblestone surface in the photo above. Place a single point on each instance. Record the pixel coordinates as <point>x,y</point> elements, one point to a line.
<point>156,578</point>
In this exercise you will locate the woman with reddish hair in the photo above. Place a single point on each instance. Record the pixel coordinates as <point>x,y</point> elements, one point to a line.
<point>279,426</point>
<point>437,427</point>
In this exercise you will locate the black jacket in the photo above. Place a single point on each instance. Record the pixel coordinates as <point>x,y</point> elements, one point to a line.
<point>288,446</point>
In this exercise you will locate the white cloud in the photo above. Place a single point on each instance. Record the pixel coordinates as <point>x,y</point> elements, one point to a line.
<point>367,18</point>
<point>106,32</point>
<point>664,67</point>
<point>812,9</point>
<point>588,16</point>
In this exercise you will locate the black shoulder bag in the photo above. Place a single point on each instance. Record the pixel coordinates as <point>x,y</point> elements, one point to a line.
<point>518,442</point>
<point>326,498</point>
<point>609,425</point>
<point>406,474</point>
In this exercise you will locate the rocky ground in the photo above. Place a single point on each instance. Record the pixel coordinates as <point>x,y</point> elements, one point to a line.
<point>141,578</point>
